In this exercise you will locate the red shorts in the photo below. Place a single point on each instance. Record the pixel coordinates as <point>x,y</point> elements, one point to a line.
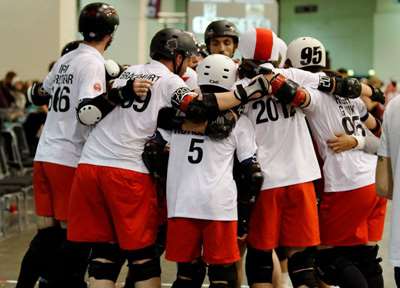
<point>285,216</point>
<point>187,238</point>
<point>113,205</point>
<point>52,186</point>
<point>352,217</point>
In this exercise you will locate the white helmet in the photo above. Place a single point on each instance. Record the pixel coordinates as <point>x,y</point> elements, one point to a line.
<point>217,70</point>
<point>305,52</point>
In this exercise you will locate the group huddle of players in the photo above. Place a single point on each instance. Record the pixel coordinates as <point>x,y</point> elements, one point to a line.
<point>204,164</point>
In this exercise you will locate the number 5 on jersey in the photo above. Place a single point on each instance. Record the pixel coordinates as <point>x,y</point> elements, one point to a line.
<point>196,151</point>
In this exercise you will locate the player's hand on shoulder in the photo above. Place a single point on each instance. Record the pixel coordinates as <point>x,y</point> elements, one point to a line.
<point>141,87</point>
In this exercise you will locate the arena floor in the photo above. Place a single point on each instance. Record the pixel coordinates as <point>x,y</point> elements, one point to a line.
<point>12,249</point>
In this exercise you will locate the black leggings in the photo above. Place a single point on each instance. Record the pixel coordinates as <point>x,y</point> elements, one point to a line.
<point>397,276</point>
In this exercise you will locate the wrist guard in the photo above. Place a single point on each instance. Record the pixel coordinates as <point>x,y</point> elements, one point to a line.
<point>377,95</point>
<point>287,91</point>
<point>259,85</point>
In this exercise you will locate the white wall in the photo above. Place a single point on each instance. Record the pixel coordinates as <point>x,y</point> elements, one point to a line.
<point>387,40</point>
<point>31,38</point>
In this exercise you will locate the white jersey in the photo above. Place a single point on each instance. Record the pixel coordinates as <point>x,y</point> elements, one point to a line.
<point>118,139</point>
<point>78,74</point>
<point>190,78</point>
<point>390,147</point>
<point>284,146</point>
<point>329,115</point>
<point>200,183</point>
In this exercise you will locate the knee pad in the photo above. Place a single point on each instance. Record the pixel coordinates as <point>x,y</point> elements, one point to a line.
<point>143,271</point>
<point>259,266</point>
<point>367,261</point>
<point>301,269</point>
<point>222,273</point>
<point>192,274</point>
<point>334,268</point>
<point>110,269</point>
<point>397,275</point>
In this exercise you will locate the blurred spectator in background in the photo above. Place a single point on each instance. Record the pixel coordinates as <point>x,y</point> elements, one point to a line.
<point>6,85</point>
<point>391,91</point>
<point>342,72</point>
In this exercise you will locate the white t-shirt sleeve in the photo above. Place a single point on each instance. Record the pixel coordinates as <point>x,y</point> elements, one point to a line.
<point>49,80</point>
<point>245,139</point>
<point>316,99</point>
<point>301,77</point>
<point>384,148</point>
<point>362,109</point>
<point>91,80</point>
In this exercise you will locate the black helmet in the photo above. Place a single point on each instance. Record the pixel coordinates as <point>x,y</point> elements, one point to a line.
<point>171,41</point>
<point>97,20</point>
<point>221,28</point>
<point>70,47</point>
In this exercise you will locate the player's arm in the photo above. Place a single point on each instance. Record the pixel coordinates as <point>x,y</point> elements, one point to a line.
<point>251,179</point>
<point>384,177</point>
<point>343,142</point>
<point>170,118</point>
<point>92,110</point>
<point>37,95</point>
<point>200,109</point>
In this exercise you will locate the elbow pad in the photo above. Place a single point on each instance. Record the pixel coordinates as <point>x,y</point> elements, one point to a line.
<point>222,126</point>
<point>252,178</point>
<point>92,110</point>
<point>155,157</point>
<point>37,95</point>
<point>169,118</point>
<point>201,110</point>
<point>377,95</point>
<point>343,87</point>
<point>287,91</point>
<point>122,94</point>
<point>113,69</point>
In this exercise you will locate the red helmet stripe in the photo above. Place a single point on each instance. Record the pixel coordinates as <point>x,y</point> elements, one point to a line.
<point>264,43</point>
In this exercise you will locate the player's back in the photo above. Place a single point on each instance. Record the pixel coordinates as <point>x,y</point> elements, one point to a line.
<point>200,181</point>
<point>76,75</point>
<point>118,139</point>
<point>331,115</point>
<point>284,142</point>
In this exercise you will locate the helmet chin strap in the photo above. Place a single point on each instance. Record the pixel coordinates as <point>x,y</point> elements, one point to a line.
<point>177,69</point>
